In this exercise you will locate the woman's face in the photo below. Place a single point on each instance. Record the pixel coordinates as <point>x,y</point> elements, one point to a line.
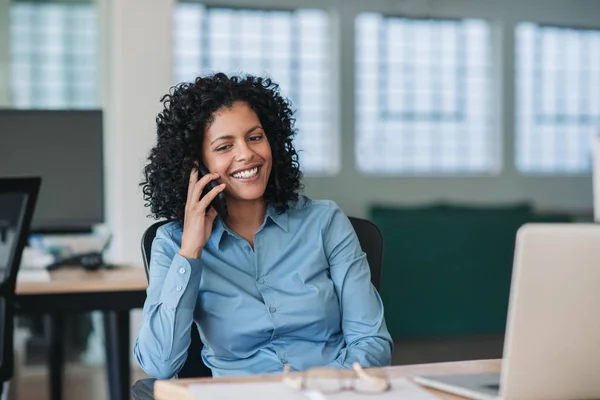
<point>236,147</point>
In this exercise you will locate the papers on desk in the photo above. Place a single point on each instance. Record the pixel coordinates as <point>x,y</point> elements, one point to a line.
<point>401,389</point>
<point>237,391</point>
<point>27,275</point>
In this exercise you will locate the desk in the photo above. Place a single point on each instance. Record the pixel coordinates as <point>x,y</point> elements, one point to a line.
<point>176,389</point>
<point>74,290</point>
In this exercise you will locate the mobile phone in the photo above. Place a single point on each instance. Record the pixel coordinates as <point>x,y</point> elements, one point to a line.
<point>218,202</point>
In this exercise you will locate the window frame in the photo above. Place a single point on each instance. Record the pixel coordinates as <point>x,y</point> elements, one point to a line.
<point>538,114</point>
<point>496,131</point>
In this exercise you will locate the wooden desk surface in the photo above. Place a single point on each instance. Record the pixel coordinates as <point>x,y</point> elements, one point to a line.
<point>176,389</point>
<point>77,280</point>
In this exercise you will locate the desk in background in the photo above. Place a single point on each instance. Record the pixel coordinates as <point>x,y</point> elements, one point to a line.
<point>177,389</point>
<point>73,290</point>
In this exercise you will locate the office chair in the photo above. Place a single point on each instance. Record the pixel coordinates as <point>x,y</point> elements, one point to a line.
<point>371,242</point>
<point>17,202</point>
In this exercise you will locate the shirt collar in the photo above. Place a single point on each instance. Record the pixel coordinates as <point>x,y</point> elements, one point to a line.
<point>217,233</point>
<point>219,228</point>
<point>280,220</point>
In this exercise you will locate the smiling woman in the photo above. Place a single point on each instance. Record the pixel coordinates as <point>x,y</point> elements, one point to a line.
<point>193,113</point>
<point>280,279</point>
<point>236,147</point>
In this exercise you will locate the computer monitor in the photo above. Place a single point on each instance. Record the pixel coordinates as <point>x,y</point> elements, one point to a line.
<point>64,148</point>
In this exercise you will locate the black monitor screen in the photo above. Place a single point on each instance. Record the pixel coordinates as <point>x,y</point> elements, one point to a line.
<point>64,148</point>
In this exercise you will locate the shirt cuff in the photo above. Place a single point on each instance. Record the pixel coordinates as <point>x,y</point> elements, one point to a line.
<point>182,283</point>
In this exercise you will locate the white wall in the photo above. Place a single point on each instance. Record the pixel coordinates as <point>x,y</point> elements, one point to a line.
<point>135,44</point>
<point>137,72</point>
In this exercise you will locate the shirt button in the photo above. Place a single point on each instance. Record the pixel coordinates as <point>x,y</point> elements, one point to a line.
<point>283,361</point>
<point>261,281</point>
<point>272,309</point>
<point>182,271</point>
<point>178,288</point>
<point>248,248</point>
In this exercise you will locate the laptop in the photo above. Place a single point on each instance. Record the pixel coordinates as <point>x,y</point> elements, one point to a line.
<point>552,341</point>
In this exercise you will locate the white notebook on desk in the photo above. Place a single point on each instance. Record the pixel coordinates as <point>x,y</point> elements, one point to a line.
<point>401,389</point>
<point>27,275</point>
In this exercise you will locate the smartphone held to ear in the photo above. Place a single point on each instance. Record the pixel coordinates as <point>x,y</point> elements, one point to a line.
<point>218,202</point>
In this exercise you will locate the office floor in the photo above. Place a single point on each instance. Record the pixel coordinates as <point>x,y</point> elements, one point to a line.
<point>82,382</point>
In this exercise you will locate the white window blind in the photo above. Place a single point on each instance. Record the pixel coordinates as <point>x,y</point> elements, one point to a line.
<point>291,47</point>
<point>53,55</point>
<point>423,96</point>
<point>558,98</point>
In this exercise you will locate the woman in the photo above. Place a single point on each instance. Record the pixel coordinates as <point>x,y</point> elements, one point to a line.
<point>278,279</point>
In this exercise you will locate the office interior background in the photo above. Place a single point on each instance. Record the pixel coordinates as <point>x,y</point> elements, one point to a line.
<point>449,123</point>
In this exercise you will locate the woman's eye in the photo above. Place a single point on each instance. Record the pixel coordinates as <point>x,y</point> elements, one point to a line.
<point>222,148</point>
<point>256,138</point>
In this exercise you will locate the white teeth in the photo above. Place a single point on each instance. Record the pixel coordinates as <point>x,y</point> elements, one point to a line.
<point>249,173</point>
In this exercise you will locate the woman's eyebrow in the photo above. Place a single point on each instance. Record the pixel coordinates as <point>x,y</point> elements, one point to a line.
<point>253,129</point>
<point>222,137</point>
<point>231,136</point>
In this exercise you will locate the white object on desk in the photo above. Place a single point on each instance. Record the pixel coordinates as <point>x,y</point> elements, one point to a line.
<point>34,258</point>
<point>236,391</point>
<point>33,275</point>
<point>402,388</point>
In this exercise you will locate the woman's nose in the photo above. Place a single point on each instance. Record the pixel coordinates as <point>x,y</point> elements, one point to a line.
<point>245,153</point>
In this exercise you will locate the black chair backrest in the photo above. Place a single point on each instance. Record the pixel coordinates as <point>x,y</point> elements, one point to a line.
<point>147,239</point>
<point>17,202</point>
<point>371,242</point>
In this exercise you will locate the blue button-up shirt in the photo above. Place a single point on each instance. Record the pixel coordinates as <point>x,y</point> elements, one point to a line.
<point>303,297</point>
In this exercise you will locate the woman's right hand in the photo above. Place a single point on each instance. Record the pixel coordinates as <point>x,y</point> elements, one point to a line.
<point>198,222</point>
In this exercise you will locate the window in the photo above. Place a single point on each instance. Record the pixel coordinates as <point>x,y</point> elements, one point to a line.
<point>291,47</point>
<point>53,53</point>
<point>558,98</point>
<point>422,96</point>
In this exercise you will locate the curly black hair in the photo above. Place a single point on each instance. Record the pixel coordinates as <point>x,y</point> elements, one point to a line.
<point>189,108</point>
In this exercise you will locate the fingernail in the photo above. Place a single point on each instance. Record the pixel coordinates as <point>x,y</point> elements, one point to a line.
<point>222,185</point>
